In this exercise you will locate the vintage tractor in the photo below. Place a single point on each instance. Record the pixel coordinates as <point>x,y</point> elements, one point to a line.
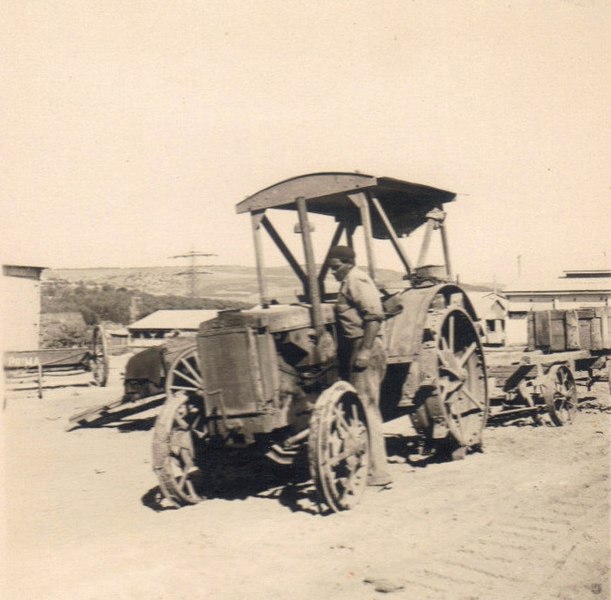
<point>266,378</point>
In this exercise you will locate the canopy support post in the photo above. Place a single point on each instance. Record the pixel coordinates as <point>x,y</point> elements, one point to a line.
<point>426,242</point>
<point>446,249</point>
<point>360,201</point>
<point>256,218</point>
<point>324,268</point>
<point>271,230</point>
<point>393,235</point>
<point>313,291</point>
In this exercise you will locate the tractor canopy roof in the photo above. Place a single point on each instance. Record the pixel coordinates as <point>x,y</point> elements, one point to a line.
<point>406,204</point>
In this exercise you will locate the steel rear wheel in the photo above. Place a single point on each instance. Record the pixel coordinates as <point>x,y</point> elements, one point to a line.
<point>338,447</point>
<point>460,395</point>
<point>560,394</point>
<point>180,432</point>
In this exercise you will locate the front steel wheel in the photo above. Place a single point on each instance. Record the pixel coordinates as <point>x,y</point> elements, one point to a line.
<point>338,447</point>
<point>180,432</point>
<point>177,438</point>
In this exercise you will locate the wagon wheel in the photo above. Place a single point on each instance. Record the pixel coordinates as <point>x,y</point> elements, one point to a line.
<point>338,447</point>
<point>99,356</point>
<point>178,432</point>
<point>560,394</point>
<point>178,429</point>
<point>184,374</point>
<point>454,363</point>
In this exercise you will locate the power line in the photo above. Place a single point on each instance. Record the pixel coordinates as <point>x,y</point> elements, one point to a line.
<point>193,270</point>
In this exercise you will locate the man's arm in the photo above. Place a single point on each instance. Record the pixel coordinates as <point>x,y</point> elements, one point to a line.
<point>370,331</point>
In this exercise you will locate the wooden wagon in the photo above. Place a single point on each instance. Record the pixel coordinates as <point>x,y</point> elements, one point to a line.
<point>37,365</point>
<point>565,347</point>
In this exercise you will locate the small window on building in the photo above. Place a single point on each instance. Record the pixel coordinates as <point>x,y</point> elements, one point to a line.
<point>490,324</point>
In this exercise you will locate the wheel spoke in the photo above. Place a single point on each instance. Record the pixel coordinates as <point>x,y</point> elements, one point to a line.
<point>190,488</point>
<point>467,392</point>
<point>182,480</point>
<point>193,372</point>
<point>354,449</point>
<point>182,387</point>
<point>345,483</point>
<point>451,333</point>
<point>443,390</point>
<point>339,415</point>
<point>449,398</point>
<point>467,355</point>
<point>443,357</point>
<point>187,378</point>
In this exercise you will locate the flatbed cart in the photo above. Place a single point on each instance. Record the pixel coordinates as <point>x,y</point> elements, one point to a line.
<point>566,348</point>
<point>36,366</point>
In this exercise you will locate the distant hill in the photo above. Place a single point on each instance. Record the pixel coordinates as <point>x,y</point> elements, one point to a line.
<point>219,282</point>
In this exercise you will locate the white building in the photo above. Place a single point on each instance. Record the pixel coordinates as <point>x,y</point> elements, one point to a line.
<point>574,289</point>
<point>491,310</point>
<point>20,307</point>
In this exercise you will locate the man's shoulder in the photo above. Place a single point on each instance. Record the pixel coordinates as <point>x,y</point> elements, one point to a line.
<point>355,274</point>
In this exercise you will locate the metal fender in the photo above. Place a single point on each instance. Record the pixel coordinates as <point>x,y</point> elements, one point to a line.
<point>407,316</point>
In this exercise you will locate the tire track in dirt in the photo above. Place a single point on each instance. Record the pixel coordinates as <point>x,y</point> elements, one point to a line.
<point>538,528</point>
<point>516,555</point>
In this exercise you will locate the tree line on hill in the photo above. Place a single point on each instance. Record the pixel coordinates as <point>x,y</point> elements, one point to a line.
<point>108,304</point>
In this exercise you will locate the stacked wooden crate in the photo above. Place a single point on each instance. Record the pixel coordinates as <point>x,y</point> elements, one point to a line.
<point>563,330</point>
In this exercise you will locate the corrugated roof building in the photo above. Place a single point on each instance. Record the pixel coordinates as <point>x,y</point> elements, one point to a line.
<point>162,323</point>
<point>587,288</point>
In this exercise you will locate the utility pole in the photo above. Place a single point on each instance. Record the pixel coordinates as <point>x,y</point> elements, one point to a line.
<point>193,270</point>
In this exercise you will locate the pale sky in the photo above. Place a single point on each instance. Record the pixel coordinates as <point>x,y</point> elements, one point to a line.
<point>130,129</point>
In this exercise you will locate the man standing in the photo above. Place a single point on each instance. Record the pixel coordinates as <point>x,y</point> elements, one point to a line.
<point>361,354</point>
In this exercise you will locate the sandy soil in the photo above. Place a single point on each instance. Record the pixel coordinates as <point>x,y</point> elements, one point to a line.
<point>527,519</point>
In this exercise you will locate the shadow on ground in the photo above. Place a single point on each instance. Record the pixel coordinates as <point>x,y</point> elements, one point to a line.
<point>230,475</point>
<point>237,474</point>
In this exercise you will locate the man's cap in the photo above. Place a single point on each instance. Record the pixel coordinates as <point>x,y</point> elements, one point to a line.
<point>341,252</point>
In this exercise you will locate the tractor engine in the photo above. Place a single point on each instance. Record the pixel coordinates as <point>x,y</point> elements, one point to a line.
<point>261,370</point>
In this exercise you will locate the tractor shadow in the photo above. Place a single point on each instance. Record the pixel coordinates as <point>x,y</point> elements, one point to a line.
<point>234,476</point>
<point>121,425</point>
<point>239,475</point>
<point>415,452</point>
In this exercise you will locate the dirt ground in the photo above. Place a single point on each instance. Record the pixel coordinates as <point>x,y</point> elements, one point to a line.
<point>527,519</point>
